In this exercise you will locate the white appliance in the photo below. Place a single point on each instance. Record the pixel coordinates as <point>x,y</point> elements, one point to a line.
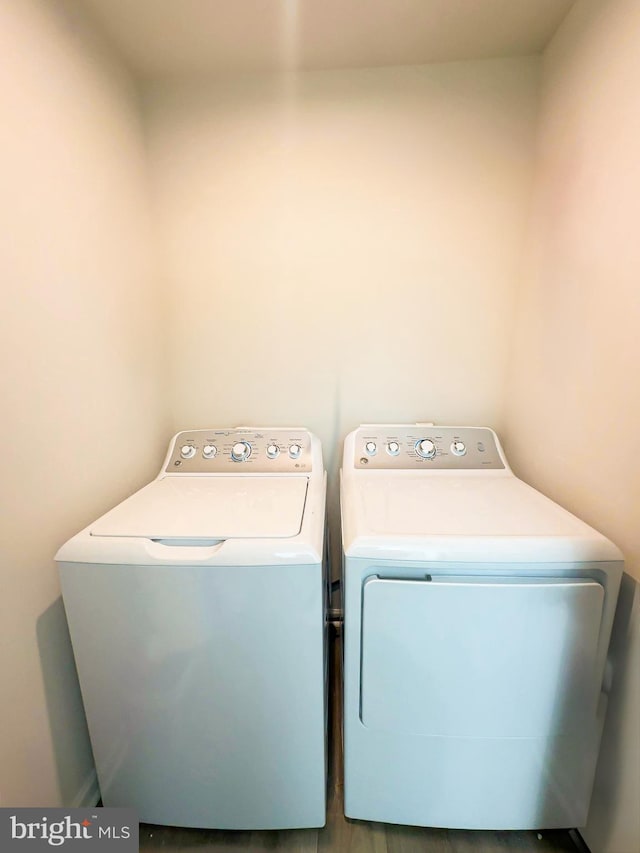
<point>477,623</point>
<point>197,615</point>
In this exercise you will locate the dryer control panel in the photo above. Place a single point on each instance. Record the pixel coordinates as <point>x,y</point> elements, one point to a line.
<point>240,450</point>
<point>426,447</point>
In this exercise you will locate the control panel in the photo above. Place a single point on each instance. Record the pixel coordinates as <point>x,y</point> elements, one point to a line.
<point>234,451</point>
<point>426,447</point>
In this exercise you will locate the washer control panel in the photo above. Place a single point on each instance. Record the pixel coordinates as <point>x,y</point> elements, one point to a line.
<point>426,448</point>
<point>234,451</point>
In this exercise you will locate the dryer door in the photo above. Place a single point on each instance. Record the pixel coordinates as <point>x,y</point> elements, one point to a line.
<point>479,657</point>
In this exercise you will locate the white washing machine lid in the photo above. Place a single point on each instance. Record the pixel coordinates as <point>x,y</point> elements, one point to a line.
<point>452,517</point>
<point>209,508</point>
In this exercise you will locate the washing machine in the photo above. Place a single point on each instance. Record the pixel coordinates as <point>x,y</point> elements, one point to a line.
<point>477,623</point>
<point>197,616</point>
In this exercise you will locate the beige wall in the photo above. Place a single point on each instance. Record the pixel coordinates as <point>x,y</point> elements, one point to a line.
<point>573,400</point>
<point>82,422</point>
<point>337,247</point>
<point>341,246</point>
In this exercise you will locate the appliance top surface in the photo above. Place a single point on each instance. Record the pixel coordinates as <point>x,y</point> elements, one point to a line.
<point>191,507</point>
<point>460,506</point>
<point>451,489</point>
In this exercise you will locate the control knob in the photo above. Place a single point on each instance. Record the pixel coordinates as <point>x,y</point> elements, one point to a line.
<point>187,451</point>
<point>241,451</point>
<point>393,448</point>
<point>458,448</point>
<point>425,448</point>
<point>370,447</point>
<point>294,451</point>
<point>273,451</point>
<point>209,451</point>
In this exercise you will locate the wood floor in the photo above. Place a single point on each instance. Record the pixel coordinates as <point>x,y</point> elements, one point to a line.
<point>346,836</point>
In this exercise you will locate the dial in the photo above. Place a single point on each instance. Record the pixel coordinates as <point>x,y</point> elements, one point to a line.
<point>209,451</point>
<point>187,451</point>
<point>241,451</point>
<point>393,448</point>
<point>458,448</point>
<point>425,448</point>
<point>294,451</point>
<point>273,451</point>
<point>370,447</point>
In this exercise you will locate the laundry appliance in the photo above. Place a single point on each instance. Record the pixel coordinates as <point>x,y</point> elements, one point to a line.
<point>197,615</point>
<point>477,623</point>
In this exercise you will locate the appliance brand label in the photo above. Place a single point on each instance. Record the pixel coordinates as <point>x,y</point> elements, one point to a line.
<point>98,829</point>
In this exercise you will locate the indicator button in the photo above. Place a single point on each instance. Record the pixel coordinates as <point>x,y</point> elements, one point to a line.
<point>187,451</point>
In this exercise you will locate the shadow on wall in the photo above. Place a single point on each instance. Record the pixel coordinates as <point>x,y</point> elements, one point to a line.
<point>67,722</point>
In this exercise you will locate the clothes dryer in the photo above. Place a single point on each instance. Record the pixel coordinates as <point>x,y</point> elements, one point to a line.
<point>197,615</point>
<point>477,623</point>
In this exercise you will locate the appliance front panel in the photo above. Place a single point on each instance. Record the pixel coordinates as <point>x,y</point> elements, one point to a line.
<point>480,657</point>
<point>205,707</point>
<point>395,774</point>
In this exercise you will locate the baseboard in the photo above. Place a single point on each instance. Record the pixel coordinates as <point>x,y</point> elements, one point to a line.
<point>579,841</point>
<point>89,793</point>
